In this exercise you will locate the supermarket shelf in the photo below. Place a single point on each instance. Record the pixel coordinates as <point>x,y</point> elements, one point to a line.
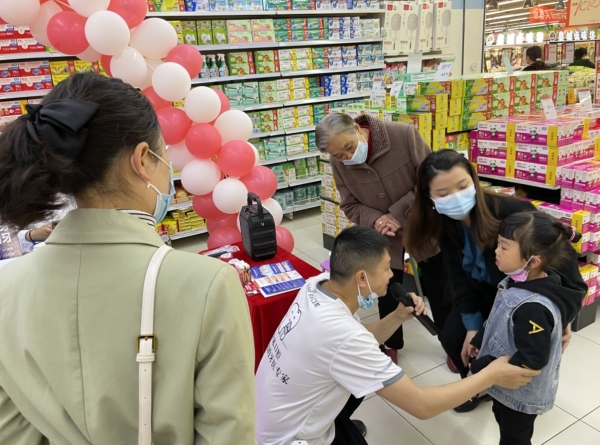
<point>260,107</point>
<point>233,78</point>
<point>520,181</point>
<point>266,135</point>
<point>332,12</point>
<point>23,94</point>
<point>210,14</point>
<point>330,42</point>
<point>310,154</point>
<point>37,56</point>
<point>305,181</point>
<point>274,161</point>
<point>181,205</point>
<point>317,100</point>
<point>310,205</point>
<point>300,130</point>
<point>187,234</point>
<point>240,46</point>
<point>346,69</point>
<point>289,158</point>
<point>426,56</point>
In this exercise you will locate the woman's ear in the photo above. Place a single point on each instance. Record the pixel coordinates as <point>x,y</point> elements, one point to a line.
<point>141,161</point>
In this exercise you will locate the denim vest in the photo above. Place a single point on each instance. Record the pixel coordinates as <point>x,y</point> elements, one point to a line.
<point>538,396</point>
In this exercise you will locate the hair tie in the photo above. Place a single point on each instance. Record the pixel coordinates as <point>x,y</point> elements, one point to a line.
<point>538,60</point>
<point>61,124</point>
<point>573,233</point>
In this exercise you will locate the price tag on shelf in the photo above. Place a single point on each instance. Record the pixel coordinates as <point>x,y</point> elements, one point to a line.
<point>548,107</point>
<point>415,63</point>
<point>569,54</point>
<point>551,53</point>
<point>585,99</point>
<point>396,88</point>
<point>443,71</point>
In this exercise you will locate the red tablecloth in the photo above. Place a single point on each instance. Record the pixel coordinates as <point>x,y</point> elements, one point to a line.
<point>267,313</point>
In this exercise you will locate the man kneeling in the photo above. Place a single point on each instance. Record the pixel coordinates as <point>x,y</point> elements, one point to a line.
<point>322,360</point>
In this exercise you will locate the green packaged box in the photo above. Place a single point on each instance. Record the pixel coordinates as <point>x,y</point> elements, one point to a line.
<point>313,82</point>
<point>298,24</point>
<point>314,92</point>
<point>312,141</point>
<point>278,171</point>
<point>232,89</point>
<point>282,24</point>
<point>250,88</point>
<point>266,62</point>
<point>315,34</point>
<point>250,100</point>
<point>319,52</point>
<point>319,64</point>
<point>300,164</point>
<point>289,171</point>
<point>268,86</point>
<point>315,23</point>
<point>204,32</point>
<point>283,35</point>
<point>312,162</point>
<point>299,35</point>
<point>281,5</point>
<point>301,4</point>
<point>268,121</point>
<point>190,33</point>
<point>299,193</point>
<point>219,32</point>
<point>275,147</point>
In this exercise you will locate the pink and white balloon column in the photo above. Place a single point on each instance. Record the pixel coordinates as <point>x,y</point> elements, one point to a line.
<point>207,140</point>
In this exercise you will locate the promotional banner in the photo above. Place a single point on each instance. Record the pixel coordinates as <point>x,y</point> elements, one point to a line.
<point>583,13</point>
<point>546,14</point>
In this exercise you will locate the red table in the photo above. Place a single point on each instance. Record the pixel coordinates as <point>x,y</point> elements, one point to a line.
<point>267,313</point>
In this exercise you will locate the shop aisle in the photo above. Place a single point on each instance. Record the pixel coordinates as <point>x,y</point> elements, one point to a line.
<point>575,418</point>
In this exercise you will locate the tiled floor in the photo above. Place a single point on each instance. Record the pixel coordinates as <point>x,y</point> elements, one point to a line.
<point>575,419</point>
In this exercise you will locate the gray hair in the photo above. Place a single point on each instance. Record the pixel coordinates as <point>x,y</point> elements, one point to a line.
<point>331,126</point>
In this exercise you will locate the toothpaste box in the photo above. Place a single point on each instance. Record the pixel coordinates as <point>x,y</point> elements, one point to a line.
<point>528,171</point>
<point>494,166</point>
<point>580,219</point>
<point>493,149</point>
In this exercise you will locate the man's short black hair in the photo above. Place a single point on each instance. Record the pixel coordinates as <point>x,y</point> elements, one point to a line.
<point>356,248</point>
<point>580,52</point>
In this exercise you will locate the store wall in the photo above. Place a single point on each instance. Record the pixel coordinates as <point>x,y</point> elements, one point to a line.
<point>468,24</point>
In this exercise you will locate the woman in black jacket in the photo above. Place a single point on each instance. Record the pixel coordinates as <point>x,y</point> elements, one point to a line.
<point>533,57</point>
<point>452,211</point>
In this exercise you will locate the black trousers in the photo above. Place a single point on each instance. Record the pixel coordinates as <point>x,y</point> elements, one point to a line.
<point>387,305</point>
<point>345,431</point>
<point>515,428</point>
<point>452,338</point>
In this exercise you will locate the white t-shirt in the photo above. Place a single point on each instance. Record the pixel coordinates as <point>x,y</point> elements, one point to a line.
<point>319,355</point>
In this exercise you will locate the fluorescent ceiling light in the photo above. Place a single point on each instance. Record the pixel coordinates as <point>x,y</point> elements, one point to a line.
<point>504,11</point>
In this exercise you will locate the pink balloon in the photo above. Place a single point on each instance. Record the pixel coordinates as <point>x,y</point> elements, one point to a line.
<point>225,106</point>
<point>105,62</point>
<point>132,11</point>
<point>188,57</point>
<point>262,181</point>
<point>174,124</point>
<point>155,100</point>
<point>223,236</point>
<point>229,220</point>
<point>285,239</point>
<point>236,158</point>
<point>203,141</point>
<point>204,207</point>
<point>66,32</point>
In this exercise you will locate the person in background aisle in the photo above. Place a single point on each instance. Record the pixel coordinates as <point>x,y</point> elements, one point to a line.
<point>451,210</point>
<point>526,322</point>
<point>375,166</point>
<point>579,54</point>
<point>533,57</point>
<point>313,376</point>
<point>71,311</point>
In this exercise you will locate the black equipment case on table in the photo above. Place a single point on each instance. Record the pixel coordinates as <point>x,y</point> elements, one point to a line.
<point>258,230</point>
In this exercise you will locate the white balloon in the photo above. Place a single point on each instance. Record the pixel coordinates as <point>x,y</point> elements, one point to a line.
<point>202,105</point>
<point>88,7</point>
<point>107,33</point>
<point>171,81</point>
<point>152,65</point>
<point>154,38</point>
<point>39,27</point>
<point>130,67</point>
<point>230,195</point>
<point>19,12</point>
<point>179,155</point>
<point>200,176</point>
<point>234,125</point>
<point>274,209</point>
<point>89,55</point>
<point>256,154</point>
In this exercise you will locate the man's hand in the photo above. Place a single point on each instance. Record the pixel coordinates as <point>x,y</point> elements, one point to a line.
<point>566,338</point>
<point>41,234</point>
<point>387,225</point>
<point>509,376</point>
<point>406,313</point>
<point>468,349</point>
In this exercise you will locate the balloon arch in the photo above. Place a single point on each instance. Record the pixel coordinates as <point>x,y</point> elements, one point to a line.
<point>207,140</point>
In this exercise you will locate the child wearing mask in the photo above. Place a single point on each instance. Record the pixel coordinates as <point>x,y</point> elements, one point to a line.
<point>527,319</point>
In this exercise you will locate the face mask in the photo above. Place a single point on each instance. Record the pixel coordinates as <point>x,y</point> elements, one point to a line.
<point>520,275</point>
<point>457,205</point>
<point>162,200</point>
<point>368,302</point>
<point>360,154</point>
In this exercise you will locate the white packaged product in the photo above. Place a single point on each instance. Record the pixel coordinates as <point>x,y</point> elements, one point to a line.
<point>424,38</point>
<point>442,22</point>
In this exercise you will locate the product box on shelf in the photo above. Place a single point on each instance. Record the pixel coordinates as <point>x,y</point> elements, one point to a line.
<point>442,22</point>
<point>12,108</point>
<point>392,23</point>
<point>219,32</point>
<point>494,166</point>
<point>36,83</point>
<point>204,32</point>
<point>494,149</point>
<point>266,62</point>
<point>166,5</point>
<point>475,85</point>
<point>10,84</point>
<point>281,5</point>
<point>424,38</point>
<point>542,132</point>
<point>527,171</point>
<point>9,70</point>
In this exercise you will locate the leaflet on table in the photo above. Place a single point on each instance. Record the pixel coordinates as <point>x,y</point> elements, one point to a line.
<point>277,278</point>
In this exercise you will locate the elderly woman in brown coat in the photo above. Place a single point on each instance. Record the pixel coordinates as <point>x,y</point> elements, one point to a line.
<point>375,166</point>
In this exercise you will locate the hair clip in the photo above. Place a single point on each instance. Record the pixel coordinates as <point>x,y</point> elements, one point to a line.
<point>573,233</point>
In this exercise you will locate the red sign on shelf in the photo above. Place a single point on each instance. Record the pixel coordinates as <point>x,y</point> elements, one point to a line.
<point>546,14</point>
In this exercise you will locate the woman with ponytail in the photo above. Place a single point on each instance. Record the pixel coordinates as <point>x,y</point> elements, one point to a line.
<point>533,57</point>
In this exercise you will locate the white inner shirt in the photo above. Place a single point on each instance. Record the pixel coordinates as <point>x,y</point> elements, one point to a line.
<point>319,356</point>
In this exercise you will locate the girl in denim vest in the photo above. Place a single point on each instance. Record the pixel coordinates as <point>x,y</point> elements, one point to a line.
<point>527,319</point>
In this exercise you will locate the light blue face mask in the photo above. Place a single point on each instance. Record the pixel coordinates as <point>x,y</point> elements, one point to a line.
<point>457,205</point>
<point>162,200</point>
<point>360,154</point>
<point>368,302</point>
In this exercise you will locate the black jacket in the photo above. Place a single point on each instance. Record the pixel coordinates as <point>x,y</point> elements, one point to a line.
<point>471,296</point>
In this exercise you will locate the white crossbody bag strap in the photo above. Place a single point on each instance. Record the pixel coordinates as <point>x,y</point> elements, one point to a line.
<point>146,347</point>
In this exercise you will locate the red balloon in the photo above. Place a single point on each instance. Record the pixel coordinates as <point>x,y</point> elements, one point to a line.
<point>105,63</point>
<point>236,158</point>
<point>229,220</point>
<point>223,236</point>
<point>225,105</point>
<point>285,239</point>
<point>155,100</point>
<point>66,32</point>
<point>204,207</point>
<point>203,141</point>
<point>132,11</point>
<point>262,181</point>
<point>188,57</point>
<point>174,124</point>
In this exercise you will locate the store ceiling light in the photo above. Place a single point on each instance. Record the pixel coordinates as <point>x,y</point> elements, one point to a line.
<point>492,5</point>
<point>560,6</point>
<point>528,4</point>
